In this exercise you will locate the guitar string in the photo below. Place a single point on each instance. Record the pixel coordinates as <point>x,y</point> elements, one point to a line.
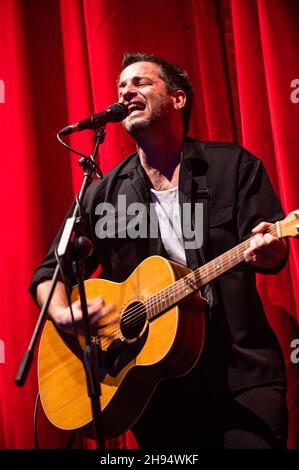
<point>204,272</point>
<point>150,304</point>
<point>210,266</point>
<point>135,313</point>
<point>224,265</point>
<point>154,301</point>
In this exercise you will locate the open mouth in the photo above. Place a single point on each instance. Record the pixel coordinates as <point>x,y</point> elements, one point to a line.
<point>136,106</point>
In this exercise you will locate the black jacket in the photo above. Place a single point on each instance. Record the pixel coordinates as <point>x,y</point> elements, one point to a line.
<point>241,349</point>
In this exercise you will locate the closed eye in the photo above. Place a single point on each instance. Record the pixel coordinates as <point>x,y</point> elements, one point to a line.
<point>143,83</point>
<point>136,81</point>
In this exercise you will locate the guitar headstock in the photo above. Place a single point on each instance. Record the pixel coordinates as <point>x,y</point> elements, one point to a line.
<point>289,227</point>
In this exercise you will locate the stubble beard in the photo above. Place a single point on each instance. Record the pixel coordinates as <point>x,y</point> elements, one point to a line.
<point>147,124</point>
<point>136,126</point>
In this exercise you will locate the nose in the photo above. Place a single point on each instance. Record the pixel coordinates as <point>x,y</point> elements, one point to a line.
<point>128,93</point>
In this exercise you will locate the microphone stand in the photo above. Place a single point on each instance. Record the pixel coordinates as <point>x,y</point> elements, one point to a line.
<point>81,247</point>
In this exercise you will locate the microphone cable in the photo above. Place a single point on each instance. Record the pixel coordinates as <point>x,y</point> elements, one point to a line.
<point>37,400</point>
<point>37,447</point>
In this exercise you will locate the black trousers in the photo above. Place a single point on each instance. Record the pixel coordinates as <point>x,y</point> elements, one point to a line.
<point>252,419</point>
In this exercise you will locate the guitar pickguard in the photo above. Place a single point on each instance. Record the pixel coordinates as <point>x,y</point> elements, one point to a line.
<point>119,354</point>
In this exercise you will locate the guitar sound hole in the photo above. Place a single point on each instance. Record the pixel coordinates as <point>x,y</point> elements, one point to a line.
<point>133,320</point>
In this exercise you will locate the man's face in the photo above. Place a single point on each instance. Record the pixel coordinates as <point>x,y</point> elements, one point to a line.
<point>146,95</point>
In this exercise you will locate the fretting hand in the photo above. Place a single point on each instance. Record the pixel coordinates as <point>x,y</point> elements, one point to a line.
<point>266,251</point>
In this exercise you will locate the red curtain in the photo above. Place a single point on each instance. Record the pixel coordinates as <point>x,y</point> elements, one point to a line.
<point>59,61</point>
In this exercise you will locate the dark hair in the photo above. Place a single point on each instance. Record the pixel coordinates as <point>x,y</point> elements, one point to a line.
<point>174,78</point>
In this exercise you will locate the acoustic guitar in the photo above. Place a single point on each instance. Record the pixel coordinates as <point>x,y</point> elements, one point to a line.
<point>157,332</point>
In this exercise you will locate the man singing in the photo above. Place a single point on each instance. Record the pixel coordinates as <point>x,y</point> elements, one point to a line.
<point>234,397</point>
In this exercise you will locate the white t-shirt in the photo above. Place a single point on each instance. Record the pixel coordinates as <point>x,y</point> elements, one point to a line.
<point>168,212</point>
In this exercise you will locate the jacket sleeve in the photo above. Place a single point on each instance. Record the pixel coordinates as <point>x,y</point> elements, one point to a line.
<point>257,201</point>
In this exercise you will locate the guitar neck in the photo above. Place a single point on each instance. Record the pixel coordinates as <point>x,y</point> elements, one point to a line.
<point>195,280</point>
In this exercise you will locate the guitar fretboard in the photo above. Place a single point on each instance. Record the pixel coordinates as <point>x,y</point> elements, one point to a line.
<point>195,280</point>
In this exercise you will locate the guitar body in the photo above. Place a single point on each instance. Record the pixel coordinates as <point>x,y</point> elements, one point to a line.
<point>137,353</point>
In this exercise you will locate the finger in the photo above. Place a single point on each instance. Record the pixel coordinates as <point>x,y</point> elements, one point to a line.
<point>259,240</point>
<point>97,300</point>
<point>109,326</point>
<point>261,227</point>
<point>68,323</point>
<point>249,255</point>
<point>252,245</point>
<point>73,313</point>
<point>92,305</point>
<point>95,308</point>
<point>104,312</point>
<point>269,239</point>
<point>262,255</point>
<point>76,304</point>
<point>90,302</point>
<point>269,244</point>
<point>106,315</point>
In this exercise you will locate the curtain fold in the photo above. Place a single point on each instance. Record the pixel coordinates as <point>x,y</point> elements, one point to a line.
<point>59,61</point>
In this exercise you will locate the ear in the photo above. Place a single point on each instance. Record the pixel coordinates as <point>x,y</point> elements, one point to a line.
<point>179,99</point>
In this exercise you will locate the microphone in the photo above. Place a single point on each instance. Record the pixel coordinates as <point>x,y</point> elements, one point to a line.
<point>114,113</point>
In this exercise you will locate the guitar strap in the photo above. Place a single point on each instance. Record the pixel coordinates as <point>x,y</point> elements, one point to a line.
<point>200,194</point>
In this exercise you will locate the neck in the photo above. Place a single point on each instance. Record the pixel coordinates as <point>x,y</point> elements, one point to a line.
<point>161,153</point>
